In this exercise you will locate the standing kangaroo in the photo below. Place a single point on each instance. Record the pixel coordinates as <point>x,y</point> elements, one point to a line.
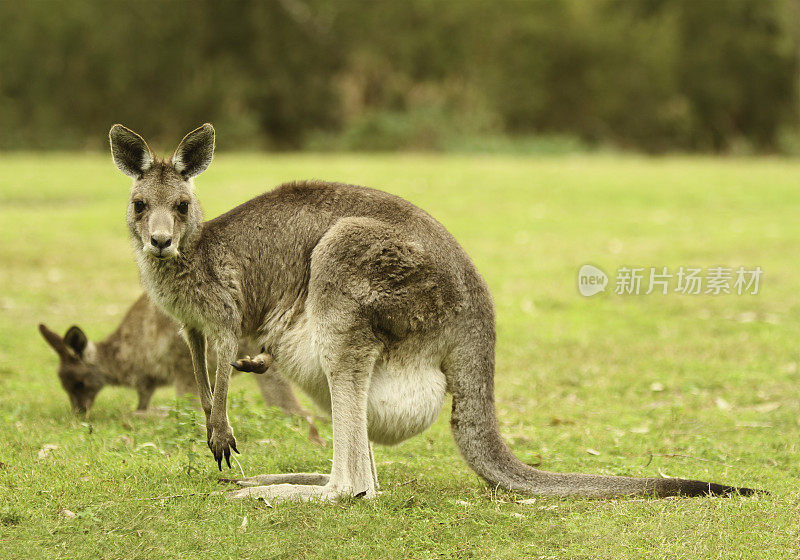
<point>363,299</point>
<point>145,352</point>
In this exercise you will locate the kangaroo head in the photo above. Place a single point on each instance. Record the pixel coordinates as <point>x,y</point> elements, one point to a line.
<point>164,214</point>
<point>77,369</point>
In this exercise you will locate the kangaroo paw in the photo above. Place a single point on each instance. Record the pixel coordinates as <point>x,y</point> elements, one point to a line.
<point>256,364</point>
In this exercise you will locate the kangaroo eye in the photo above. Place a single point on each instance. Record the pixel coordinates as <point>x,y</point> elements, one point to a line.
<point>139,206</point>
<point>183,207</point>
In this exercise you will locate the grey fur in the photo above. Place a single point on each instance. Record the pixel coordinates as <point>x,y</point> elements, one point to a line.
<point>131,153</point>
<point>195,152</point>
<point>366,302</point>
<point>145,352</point>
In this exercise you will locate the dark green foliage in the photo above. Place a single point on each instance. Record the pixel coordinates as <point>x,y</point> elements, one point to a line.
<point>285,74</point>
<point>71,69</point>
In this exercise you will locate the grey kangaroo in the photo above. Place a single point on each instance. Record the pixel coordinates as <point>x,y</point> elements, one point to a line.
<point>145,352</point>
<point>363,299</point>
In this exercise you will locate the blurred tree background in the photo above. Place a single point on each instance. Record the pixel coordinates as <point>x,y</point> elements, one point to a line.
<point>651,75</point>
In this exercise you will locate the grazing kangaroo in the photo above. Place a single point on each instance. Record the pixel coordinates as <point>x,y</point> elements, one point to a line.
<point>363,299</point>
<point>145,352</point>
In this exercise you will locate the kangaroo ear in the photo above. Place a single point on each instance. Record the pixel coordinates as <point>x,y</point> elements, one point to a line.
<point>76,339</point>
<point>53,340</point>
<point>131,153</point>
<point>194,153</point>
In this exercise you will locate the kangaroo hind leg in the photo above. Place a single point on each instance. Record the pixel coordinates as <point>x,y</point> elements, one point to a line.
<point>351,256</point>
<point>349,362</point>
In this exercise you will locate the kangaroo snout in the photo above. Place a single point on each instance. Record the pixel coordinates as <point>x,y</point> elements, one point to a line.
<point>161,240</point>
<point>161,245</point>
<point>161,233</point>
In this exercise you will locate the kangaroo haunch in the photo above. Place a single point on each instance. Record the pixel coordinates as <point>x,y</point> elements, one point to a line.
<point>363,299</point>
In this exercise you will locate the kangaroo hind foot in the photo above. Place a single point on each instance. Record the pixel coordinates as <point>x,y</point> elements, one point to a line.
<point>307,479</point>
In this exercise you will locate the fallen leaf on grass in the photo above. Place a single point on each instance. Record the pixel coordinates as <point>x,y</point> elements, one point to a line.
<point>722,404</point>
<point>747,317</point>
<point>265,502</point>
<point>772,319</point>
<point>45,450</point>
<point>591,451</point>
<point>148,445</point>
<point>767,407</point>
<point>67,513</point>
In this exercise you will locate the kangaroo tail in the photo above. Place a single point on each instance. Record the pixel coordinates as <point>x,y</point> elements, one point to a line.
<point>470,371</point>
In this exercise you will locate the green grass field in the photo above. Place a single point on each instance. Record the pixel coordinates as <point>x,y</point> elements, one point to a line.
<point>695,386</point>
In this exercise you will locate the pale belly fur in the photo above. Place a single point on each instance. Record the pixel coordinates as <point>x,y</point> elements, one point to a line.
<point>406,390</point>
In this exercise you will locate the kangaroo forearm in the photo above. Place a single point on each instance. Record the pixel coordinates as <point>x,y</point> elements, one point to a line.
<point>197,347</point>
<point>226,348</point>
<point>219,406</point>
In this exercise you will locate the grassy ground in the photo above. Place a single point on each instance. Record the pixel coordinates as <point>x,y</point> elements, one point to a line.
<point>692,386</point>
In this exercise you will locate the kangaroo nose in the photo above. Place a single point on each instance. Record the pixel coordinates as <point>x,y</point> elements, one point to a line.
<point>160,241</point>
